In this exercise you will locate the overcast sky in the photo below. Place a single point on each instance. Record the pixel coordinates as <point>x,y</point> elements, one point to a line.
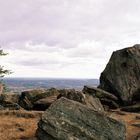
<point>65,38</point>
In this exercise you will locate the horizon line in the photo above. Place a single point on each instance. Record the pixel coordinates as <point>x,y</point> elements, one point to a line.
<point>51,78</point>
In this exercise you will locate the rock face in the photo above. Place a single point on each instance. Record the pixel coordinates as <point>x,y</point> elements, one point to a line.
<point>69,120</point>
<point>106,98</point>
<point>36,99</point>
<point>121,76</point>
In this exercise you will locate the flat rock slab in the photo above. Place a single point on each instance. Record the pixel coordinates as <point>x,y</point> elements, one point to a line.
<point>69,120</point>
<point>99,93</point>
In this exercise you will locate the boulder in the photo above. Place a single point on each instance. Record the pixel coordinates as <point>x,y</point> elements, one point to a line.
<point>78,96</point>
<point>106,98</point>
<point>44,103</point>
<point>121,76</point>
<point>28,99</point>
<point>72,94</point>
<point>132,108</point>
<point>10,101</point>
<point>93,103</point>
<point>70,120</point>
<point>9,97</point>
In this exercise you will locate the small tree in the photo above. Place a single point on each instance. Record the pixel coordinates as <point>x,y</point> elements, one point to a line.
<point>3,72</point>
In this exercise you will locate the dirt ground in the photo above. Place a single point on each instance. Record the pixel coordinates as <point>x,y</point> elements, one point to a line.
<point>22,125</point>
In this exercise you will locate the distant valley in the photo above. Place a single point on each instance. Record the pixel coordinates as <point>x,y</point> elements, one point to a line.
<point>20,84</point>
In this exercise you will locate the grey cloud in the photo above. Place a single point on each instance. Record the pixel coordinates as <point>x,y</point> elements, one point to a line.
<point>63,21</point>
<point>36,62</point>
<point>61,28</point>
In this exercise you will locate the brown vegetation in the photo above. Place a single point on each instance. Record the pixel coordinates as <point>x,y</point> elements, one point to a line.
<point>22,125</point>
<point>18,125</point>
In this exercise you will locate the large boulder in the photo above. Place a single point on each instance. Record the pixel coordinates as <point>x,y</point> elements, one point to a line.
<point>69,120</point>
<point>32,98</point>
<point>121,76</point>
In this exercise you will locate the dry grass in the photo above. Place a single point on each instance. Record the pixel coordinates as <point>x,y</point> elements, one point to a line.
<point>18,125</point>
<point>22,125</point>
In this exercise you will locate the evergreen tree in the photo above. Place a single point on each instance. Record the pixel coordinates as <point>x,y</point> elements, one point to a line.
<point>3,71</point>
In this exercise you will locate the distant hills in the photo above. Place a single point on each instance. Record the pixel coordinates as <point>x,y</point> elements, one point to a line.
<point>19,84</point>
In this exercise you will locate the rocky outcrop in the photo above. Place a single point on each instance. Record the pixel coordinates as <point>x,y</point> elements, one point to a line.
<point>42,99</point>
<point>9,97</point>
<point>69,120</point>
<point>121,76</point>
<point>10,100</point>
<point>31,99</point>
<point>106,98</point>
<point>78,96</point>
